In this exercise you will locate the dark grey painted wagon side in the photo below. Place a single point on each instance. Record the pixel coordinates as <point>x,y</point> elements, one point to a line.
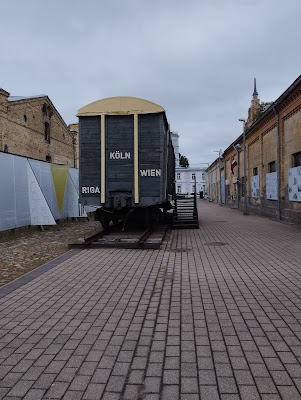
<point>126,158</point>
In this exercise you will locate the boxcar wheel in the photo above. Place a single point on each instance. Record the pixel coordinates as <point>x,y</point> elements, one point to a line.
<point>105,219</point>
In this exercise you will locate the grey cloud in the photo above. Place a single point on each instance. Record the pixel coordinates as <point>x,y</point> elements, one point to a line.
<point>195,58</point>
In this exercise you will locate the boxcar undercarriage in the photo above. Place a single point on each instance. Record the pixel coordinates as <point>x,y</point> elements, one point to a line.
<point>138,216</point>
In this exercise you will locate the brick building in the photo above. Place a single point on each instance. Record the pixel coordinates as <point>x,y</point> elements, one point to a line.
<point>32,127</point>
<point>75,131</point>
<point>273,161</point>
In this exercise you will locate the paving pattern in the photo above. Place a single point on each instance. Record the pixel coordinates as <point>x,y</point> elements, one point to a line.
<point>215,314</point>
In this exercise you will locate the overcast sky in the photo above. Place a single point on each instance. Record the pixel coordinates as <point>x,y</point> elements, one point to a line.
<point>195,58</point>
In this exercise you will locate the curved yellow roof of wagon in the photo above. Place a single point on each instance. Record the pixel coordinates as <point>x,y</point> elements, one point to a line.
<point>121,105</point>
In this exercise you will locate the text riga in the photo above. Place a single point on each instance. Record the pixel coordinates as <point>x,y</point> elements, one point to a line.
<point>90,189</point>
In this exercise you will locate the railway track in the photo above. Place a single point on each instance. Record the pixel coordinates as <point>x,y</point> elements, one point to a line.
<point>150,238</point>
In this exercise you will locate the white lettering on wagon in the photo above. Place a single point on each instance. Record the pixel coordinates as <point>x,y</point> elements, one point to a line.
<point>150,172</point>
<point>90,189</point>
<point>120,155</point>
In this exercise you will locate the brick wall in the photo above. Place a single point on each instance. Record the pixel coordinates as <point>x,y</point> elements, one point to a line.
<point>262,149</point>
<point>291,145</point>
<point>22,129</point>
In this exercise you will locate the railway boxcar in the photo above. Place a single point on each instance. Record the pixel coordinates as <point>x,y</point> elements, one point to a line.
<point>126,158</point>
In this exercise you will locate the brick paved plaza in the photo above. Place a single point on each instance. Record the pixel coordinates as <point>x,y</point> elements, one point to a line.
<point>215,314</point>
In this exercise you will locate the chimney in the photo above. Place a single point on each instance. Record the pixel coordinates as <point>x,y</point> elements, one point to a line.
<point>3,100</point>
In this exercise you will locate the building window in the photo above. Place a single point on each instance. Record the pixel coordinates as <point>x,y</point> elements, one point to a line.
<point>255,171</point>
<point>272,166</point>
<point>48,159</point>
<point>297,159</point>
<point>193,176</point>
<point>25,118</point>
<point>47,132</point>
<point>178,175</point>
<point>179,189</point>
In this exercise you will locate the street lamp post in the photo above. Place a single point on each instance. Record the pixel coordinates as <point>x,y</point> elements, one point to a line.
<point>236,148</point>
<point>220,176</point>
<point>245,212</point>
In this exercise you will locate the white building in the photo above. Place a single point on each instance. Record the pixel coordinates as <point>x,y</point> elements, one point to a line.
<point>175,142</point>
<point>191,179</point>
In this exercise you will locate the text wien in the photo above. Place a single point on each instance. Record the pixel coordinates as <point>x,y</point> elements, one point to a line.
<point>150,172</point>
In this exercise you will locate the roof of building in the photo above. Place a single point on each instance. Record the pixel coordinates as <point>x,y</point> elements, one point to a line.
<point>190,169</point>
<point>2,91</point>
<point>121,105</point>
<point>12,99</point>
<point>16,98</point>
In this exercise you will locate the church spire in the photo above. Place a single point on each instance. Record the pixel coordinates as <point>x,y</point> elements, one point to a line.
<point>255,93</point>
<point>255,109</point>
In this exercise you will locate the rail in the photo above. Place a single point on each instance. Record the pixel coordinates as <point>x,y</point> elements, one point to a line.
<point>151,238</point>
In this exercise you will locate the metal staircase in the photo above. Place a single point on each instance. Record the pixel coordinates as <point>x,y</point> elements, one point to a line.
<point>185,213</point>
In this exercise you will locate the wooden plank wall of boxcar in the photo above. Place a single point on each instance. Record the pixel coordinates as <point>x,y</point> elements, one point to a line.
<point>89,157</point>
<point>152,155</point>
<point>120,169</point>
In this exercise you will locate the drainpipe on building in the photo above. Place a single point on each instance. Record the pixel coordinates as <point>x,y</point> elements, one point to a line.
<point>225,180</point>
<point>220,177</point>
<point>238,180</point>
<point>237,148</point>
<point>74,148</point>
<point>74,154</point>
<point>276,112</point>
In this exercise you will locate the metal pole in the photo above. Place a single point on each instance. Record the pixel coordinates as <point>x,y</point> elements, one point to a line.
<point>278,164</point>
<point>237,177</point>
<point>238,180</point>
<point>245,212</point>
<point>220,177</point>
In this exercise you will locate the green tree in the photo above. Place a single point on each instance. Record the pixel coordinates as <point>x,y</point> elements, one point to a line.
<point>184,161</point>
<point>261,109</point>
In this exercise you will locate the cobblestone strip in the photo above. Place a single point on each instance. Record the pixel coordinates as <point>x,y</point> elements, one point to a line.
<point>132,358</point>
<point>214,314</point>
<point>257,291</point>
<point>61,333</point>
